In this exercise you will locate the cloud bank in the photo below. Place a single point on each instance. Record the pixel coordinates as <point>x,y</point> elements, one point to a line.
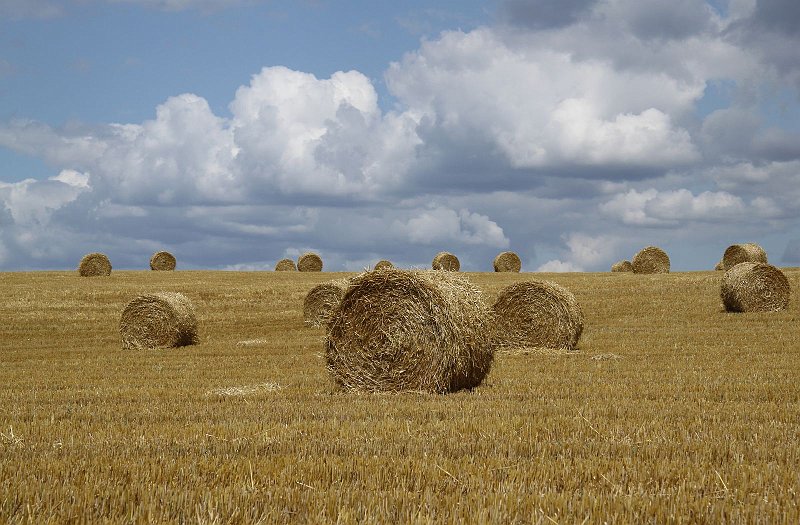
<point>572,132</point>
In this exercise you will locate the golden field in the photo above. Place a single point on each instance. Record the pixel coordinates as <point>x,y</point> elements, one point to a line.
<point>672,411</point>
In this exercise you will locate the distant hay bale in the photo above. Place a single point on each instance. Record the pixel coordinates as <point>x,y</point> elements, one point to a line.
<point>93,265</point>
<point>622,266</point>
<point>537,314</point>
<point>285,265</point>
<point>754,287</point>
<point>404,330</point>
<point>158,320</point>
<point>507,262</point>
<point>739,253</point>
<point>381,265</point>
<point>162,261</point>
<point>321,301</point>
<point>446,261</point>
<point>309,262</point>
<point>651,260</point>
<point>719,266</point>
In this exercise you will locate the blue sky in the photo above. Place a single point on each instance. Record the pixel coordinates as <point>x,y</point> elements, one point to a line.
<point>238,132</point>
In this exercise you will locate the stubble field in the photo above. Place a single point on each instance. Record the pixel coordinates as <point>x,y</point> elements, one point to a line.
<point>672,411</point>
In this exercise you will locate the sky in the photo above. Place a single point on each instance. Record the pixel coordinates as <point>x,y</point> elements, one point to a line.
<point>235,133</point>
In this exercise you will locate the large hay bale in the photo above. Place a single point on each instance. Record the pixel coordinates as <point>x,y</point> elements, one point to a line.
<point>719,266</point>
<point>93,265</point>
<point>537,314</point>
<point>622,266</point>
<point>754,287</point>
<point>158,320</point>
<point>162,262</point>
<point>651,260</point>
<point>739,253</point>
<point>399,330</point>
<point>321,301</point>
<point>507,262</point>
<point>446,261</point>
<point>309,262</point>
<point>285,265</point>
<point>383,264</point>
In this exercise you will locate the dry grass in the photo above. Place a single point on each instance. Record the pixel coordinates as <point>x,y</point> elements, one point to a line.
<point>321,301</point>
<point>507,262</point>
<point>401,330</point>
<point>695,423</point>
<point>739,253</point>
<point>622,266</point>
<point>162,261</point>
<point>754,287</point>
<point>651,259</point>
<point>446,261</point>
<point>537,314</point>
<point>158,320</point>
<point>309,262</point>
<point>94,265</point>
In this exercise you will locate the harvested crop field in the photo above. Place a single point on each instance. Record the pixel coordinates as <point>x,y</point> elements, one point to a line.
<point>671,411</point>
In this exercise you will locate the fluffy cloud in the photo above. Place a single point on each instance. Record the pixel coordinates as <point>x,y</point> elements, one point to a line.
<point>446,226</point>
<point>672,207</point>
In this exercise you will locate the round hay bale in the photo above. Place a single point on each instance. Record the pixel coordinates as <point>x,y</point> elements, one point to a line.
<point>651,260</point>
<point>507,262</point>
<point>754,287</point>
<point>719,266</point>
<point>537,314</point>
<point>158,320</point>
<point>309,262</point>
<point>93,265</point>
<point>446,261</point>
<point>321,301</point>
<point>400,330</point>
<point>622,266</point>
<point>384,264</point>
<point>162,262</point>
<point>739,253</point>
<point>285,265</point>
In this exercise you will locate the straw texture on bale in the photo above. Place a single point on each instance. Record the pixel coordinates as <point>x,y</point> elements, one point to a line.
<point>158,320</point>
<point>537,314</point>
<point>754,287</point>
<point>381,265</point>
<point>622,266</point>
<point>285,265</point>
<point>446,261</point>
<point>739,253</point>
<point>162,261</point>
<point>507,262</point>
<point>321,301</point>
<point>719,266</point>
<point>403,330</point>
<point>651,260</point>
<point>309,262</point>
<point>93,265</point>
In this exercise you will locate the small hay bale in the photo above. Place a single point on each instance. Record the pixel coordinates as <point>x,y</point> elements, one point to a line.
<point>381,265</point>
<point>404,330</point>
<point>755,287</point>
<point>285,265</point>
<point>158,320</point>
<point>93,265</point>
<point>622,266</point>
<point>446,261</point>
<point>651,260</point>
<point>719,266</point>
<point>507,262</point>
<point>739,253</point>
<point>309,262</point>
<point>537,314</point>
<point>321,301</point>
<point>162,262</point>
